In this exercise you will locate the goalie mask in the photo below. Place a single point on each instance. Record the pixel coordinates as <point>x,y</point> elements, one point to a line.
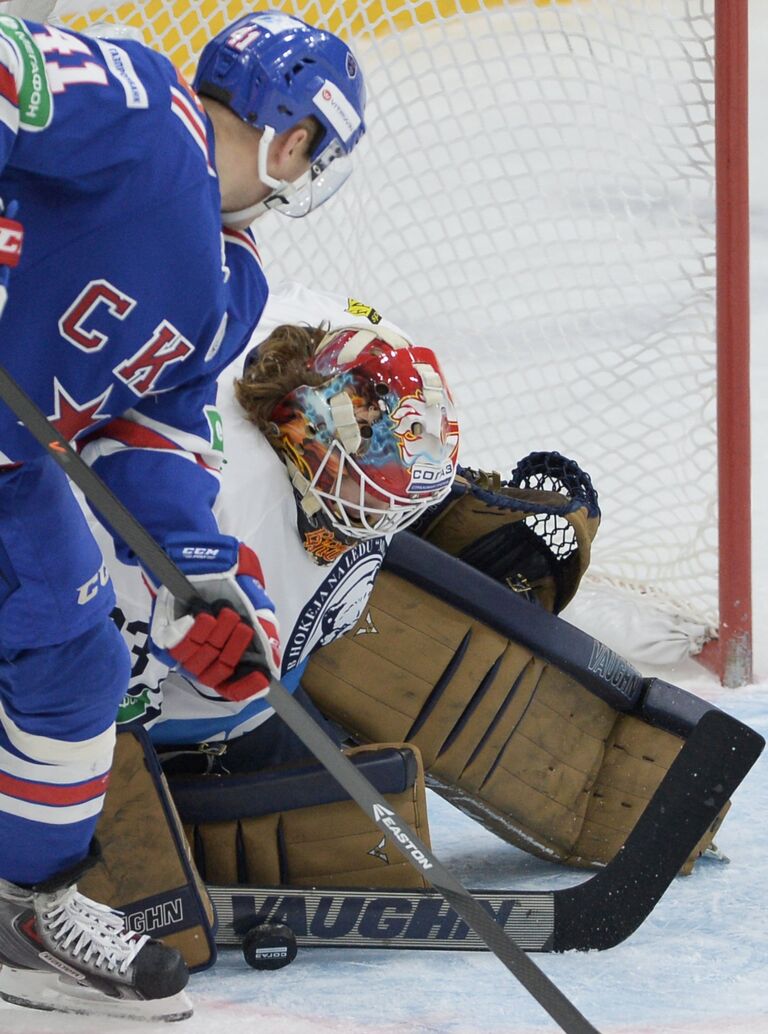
<point>371,447</point>
<point>272,70</point>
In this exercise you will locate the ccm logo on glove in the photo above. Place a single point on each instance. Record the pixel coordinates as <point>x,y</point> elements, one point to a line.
<point>231,643</point>
<point>200,553</point>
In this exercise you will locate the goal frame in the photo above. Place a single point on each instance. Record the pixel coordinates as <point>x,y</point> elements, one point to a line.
<point>730,655</point>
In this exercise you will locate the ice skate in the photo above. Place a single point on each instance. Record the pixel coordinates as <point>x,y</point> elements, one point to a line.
<point>62,952</point>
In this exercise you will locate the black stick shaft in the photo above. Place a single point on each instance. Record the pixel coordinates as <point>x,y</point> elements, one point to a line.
<point>547,994</point>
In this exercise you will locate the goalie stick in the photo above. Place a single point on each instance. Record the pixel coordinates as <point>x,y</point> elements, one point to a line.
<point>514,958</point>
<point>596,914</point>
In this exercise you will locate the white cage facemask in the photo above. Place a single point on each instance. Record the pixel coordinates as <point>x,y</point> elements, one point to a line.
<point>374,446</point>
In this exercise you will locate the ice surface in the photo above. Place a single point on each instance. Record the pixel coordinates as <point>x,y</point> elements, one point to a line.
<point>698,964</point>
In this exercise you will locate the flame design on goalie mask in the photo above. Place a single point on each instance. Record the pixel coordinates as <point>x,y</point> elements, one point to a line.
<point>374,445</point>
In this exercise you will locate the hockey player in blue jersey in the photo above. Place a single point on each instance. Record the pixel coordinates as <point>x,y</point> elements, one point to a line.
<point>120,314</point>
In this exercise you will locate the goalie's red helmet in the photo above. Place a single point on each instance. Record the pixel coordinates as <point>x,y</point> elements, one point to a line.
<point>376,443</point>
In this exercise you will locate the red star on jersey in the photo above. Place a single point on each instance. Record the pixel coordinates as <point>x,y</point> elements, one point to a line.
<point>70,417</point>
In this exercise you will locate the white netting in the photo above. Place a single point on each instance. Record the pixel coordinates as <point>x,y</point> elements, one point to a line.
<point>535,198</point>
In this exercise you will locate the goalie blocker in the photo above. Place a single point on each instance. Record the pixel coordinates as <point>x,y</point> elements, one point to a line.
<point>524,722</point>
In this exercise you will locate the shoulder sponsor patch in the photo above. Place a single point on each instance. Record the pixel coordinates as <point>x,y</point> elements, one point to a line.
<point>35,97</point>
<point>121,67</point>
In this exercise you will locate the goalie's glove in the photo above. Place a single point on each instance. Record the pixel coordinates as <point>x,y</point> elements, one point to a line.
<point>532,533</point>
<point>233,644</point>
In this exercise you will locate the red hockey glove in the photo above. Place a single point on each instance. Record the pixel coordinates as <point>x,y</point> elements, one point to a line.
<point>11,237</point>
<point>233,645</point>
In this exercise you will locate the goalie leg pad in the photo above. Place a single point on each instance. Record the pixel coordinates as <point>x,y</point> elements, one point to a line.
<point>508,737</point>
<point>637,757</point>
<point>297,827</point>
<point>146,869</point>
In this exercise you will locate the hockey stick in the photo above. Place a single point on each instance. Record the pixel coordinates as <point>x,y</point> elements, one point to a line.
<point>546,993</point>
<point>596,914</point>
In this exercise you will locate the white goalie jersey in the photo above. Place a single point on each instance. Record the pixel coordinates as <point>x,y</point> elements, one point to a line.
<point>314,603</point>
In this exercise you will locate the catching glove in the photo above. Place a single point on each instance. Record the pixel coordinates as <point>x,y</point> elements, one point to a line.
<point>233,644</point>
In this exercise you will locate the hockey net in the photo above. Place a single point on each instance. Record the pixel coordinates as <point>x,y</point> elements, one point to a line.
<point>536,198</point>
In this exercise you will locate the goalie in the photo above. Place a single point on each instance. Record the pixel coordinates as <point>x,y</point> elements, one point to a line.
<point>335,441</point>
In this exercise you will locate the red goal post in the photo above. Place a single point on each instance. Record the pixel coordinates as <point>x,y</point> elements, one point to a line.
<point>554,193</point>
<point>730,654</point>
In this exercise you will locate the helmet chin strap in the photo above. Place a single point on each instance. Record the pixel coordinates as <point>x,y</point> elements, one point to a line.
<point>281,189</point>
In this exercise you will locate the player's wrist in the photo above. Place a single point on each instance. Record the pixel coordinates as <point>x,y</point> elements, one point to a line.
<point>203,554</point>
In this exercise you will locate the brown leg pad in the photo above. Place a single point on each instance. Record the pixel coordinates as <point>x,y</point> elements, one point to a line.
<point>146,869</point>
<point>506,736</point>
<point>325,845</point>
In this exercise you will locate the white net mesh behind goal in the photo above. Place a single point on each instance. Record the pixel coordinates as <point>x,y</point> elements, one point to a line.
<point>535,199</point>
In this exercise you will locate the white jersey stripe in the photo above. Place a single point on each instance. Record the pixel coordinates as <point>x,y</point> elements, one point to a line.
<point>192,447</point>
<point>54,774</point>
<point>11,58</point>
<point>11,72</point>
<point>179,98</point>
<point>110,446</point>
<point>93,754</point>
<point>52,816</point>
<point>192,443</point>
<point>244,240</point>
<point>9,115</point>
<point>194,125</point>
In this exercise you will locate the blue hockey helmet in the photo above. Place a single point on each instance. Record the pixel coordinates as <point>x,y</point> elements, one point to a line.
<point>272,70</point>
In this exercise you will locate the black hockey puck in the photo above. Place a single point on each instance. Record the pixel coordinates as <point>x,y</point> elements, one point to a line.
<point>269,946</point>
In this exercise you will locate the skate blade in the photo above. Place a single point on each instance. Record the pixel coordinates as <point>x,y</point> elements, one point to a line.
<point>54,993</point>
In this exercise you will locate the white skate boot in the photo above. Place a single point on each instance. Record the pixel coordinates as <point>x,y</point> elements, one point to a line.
<point>61,951</point>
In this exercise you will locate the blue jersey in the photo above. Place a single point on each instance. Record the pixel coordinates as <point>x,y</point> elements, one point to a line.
<point>123,309</point>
